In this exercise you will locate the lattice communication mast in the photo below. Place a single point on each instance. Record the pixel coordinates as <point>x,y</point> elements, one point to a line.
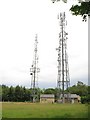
<point>63,80</point>
<point>34,70</point>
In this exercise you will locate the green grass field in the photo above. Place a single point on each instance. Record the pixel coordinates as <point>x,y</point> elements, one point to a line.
<point>37,110</point>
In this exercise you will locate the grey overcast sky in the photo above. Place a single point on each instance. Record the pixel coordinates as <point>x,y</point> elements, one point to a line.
<point>20,20</point>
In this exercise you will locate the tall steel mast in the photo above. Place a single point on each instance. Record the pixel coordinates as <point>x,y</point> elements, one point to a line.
<point>63,81</point>
<point>34,70</point>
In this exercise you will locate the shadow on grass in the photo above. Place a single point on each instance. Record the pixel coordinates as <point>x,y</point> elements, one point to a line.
<point>44,118</point>
<point>64,116</point>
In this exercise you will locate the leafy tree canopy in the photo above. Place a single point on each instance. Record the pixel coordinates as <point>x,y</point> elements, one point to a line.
<point>49,91</point>
<point>80,89</point>
<point>83,9</point>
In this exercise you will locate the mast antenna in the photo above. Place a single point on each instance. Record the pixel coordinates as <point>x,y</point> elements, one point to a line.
<point>34,70</point>
<point>63,80</point>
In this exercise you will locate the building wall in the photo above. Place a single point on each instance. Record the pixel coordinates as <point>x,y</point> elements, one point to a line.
<point>46,100</point>
<point>52,100</point>
<point>72,100</point>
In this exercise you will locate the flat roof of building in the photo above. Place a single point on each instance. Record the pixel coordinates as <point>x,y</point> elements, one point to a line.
<point>47,95</point>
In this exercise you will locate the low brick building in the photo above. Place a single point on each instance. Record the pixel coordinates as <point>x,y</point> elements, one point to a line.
<point>47,98</point>
<point>74,98</point>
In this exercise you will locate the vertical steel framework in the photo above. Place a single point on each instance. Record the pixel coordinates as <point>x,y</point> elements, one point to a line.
<point>63,81</point>
<point>34,70</point>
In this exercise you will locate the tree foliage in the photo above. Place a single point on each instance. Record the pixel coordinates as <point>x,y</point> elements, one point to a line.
<point>79,89</point>
<point>83,9</point>
<point>49,91</point>
<point>53,1</point>
<point>21,94</point>
<point>17,94</point>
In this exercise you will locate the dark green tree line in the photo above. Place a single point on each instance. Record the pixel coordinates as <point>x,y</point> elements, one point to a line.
<point>22,94</point>
<point>18,93</point>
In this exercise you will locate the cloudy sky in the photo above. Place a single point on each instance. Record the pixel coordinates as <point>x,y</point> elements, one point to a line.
<point>20,20</point>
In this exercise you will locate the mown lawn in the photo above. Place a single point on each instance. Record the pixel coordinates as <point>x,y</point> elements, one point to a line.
<point>37,110</point>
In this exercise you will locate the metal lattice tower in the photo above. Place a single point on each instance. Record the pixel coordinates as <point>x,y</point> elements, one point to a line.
<point>63,80</point>
<point>34,70</point>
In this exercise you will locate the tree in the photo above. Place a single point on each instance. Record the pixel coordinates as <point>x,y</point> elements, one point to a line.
<point>26,94</point>
<point>83,9</point>
<point>17,93</point>
<point>11,94</point>
<point>53,1</point>
<point>5,91</point>
<point>49,91</point>
<point>86,98</point>
<point>80,89</point>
